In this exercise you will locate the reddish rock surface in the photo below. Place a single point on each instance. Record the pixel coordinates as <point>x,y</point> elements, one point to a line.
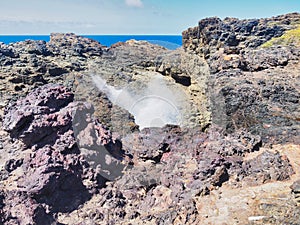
<point>68,155</point>
<point>54,169</point>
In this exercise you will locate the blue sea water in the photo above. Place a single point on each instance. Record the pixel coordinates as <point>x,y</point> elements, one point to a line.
<point>167,41</point>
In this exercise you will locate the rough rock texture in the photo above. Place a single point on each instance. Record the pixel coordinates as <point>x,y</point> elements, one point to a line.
<point>234,35</point>
<point>65,60</point>
<point>250,86</point>
<point>70,155</point>
<point>173,169</point>
<point>51,173</point>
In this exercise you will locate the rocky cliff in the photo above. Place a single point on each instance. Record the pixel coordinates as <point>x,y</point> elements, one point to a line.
<point>138,134</point>
<point>254,73</point>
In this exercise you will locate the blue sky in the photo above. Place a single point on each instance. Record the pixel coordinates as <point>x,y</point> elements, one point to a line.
<point>127,16</point>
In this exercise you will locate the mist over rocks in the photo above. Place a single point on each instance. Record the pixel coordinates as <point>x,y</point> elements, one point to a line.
<point>138,134</point>
<point>151,107</point>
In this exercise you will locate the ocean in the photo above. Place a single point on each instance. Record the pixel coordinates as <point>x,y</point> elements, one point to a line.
<point>168,41</point>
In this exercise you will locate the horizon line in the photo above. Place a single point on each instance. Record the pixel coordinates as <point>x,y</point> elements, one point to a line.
<point>91,34</point>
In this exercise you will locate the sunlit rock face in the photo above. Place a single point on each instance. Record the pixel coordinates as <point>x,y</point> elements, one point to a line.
<point>254,73</point>
<point>73,153</point>
<point>156,86</point>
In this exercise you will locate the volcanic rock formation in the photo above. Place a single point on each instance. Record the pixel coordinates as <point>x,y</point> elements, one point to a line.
<point>72,151</point>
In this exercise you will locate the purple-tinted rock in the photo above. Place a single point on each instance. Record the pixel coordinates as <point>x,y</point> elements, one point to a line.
<point>41,101</point>
<point>267,166</point>
<point>71,153</point>
<point>20,209</point>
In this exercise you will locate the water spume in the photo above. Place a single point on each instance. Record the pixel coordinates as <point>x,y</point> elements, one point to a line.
<point>155,107</point>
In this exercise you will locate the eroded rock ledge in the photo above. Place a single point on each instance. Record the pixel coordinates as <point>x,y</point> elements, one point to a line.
<point>71,156</point>
<point>251,85</point>
<point>66,157</point>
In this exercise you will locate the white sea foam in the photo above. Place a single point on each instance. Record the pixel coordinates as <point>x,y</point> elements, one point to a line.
<point>157,106</point>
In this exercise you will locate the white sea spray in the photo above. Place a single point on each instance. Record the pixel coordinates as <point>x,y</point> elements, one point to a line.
<point>156,106</point>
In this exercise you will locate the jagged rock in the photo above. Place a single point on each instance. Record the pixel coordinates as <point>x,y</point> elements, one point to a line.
<point>253,60</point>
<point>262,59</point>
<point>38,48</point>
<point>191,71</point>
<point>233,34</point>
<point>78,155</point>
<point>12,164</point>
<point>296,187</point>
<point>56,71</point>
<point>59,164</point>
<point>192,164</point>
<point>8,52</point>
<point>60,135</point>
<point>34,109</point>
<point>54,180</point>
<point>267,166</point>
<point>2,213</point>
<point>249,85</point>
<point>257,103</point>
<point>71,44</point>
<point>24,211</point>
